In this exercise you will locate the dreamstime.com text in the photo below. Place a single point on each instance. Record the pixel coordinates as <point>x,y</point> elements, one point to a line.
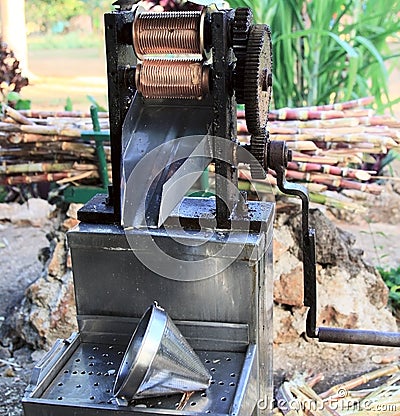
<point>335,404</point>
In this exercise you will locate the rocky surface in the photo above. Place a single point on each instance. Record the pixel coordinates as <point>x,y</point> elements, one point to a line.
<point>47,310</point>
<point>351,294</point>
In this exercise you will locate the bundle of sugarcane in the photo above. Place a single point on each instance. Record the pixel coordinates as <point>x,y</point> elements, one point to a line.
<point>338,145</point>
<point>334,146</point>
<point>47,147</point>
<point>298,396</point>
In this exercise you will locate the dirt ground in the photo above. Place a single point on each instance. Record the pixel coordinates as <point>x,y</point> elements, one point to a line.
<point>20,266</point>
<point>56,75</point>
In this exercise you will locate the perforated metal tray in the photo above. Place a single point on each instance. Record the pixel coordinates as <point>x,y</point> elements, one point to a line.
<point>86,375</point>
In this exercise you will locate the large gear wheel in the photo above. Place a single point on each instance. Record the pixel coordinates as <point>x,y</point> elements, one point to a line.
<point>257,94</point>
<point>240,34</point>
<point>258,79</point>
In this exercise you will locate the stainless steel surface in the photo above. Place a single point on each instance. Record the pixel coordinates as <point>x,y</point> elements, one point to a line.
<point>231,311</point>
<point>213,336</point>
<point>106,269</point>
<point>170,121</point>
<point>85,382</point>
<point>159,361</point>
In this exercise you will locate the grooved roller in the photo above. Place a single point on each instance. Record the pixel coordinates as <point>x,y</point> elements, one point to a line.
<point>168,33</point>
<point>161,78</point>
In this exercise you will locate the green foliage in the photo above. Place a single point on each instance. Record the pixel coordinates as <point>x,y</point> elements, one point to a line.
<point>392,280</point>
<point>96,9</point>
<point>386,162</point>
<point>95,103</point>
<point>329,51</point>
<point>15,100</point>
<point>3,193</point>
<point>45,13</point>
<point>42,15</point>
<point>68,104</point>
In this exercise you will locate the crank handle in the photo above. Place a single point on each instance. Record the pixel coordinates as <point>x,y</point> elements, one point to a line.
<point>278,156</point>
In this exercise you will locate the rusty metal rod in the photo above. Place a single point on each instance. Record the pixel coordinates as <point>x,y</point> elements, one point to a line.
<point>358,336</point>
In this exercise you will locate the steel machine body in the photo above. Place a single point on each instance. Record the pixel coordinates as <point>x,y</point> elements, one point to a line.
<point>177,75</point>
<point>225,310</point>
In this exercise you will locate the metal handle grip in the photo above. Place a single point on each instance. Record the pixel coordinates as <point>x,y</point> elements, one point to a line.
<point>358,336</point>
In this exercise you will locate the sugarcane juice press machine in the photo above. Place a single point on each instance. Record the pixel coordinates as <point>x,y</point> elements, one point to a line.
<point>174,81</point>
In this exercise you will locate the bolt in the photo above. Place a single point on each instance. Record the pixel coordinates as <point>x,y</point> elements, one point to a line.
<point>266,80</point>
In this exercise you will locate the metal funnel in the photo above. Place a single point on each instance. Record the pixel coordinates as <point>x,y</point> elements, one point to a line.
<point>159,361</point>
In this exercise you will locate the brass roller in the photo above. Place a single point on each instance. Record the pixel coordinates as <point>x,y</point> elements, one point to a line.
<point>168,33</point>
<point>160,78</point>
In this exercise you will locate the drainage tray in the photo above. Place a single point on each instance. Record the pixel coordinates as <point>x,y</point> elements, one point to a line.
<point>77,378</point>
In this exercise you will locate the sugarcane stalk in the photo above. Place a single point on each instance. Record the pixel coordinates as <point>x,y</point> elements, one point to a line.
<point>329,201</point>
<point>309,406</point>
<point>17,138</point>
<point>336,182</point>
<point>381,121</point>
<point>305,146</point>
<point>311,382</point>
<point>332,170</point>
<point>359,138</point>
<point>382,388</point>
<point>184,400</point>
<point>24,179</point>
<point>51,130</point>
<point>34,168</point>
<point>9,127</point>
<point>75,178</point>
<point>292,137</point>
<point>387,178</point>
<point>360,148</point>
<point>346,105</point>
<point>16,116</point>
<point>78,148</point>
<point>358,113</point>
<point>87,166</point>
<point>319,124</point>
<point>328,136</point>
<point>290,114</point>
<point>286,400</point>
<point>359,381</point>
<point>334,131</point>
<point>60,114</point>
<point>264,185</point>
<point>258,187</point>
<point>302,157</point>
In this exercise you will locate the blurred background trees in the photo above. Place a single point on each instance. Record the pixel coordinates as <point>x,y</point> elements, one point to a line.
<point>45,16</point>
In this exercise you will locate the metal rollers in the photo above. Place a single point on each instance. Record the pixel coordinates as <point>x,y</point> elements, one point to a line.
<point>157,36</point>
<point>167,33</point>
<point>160,78</point>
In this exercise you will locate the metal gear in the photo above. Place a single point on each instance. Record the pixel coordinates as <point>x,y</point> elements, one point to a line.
<point>240,34</point>
<point>258,148</point>
<point>257,93</point>
<point>258,79</point>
